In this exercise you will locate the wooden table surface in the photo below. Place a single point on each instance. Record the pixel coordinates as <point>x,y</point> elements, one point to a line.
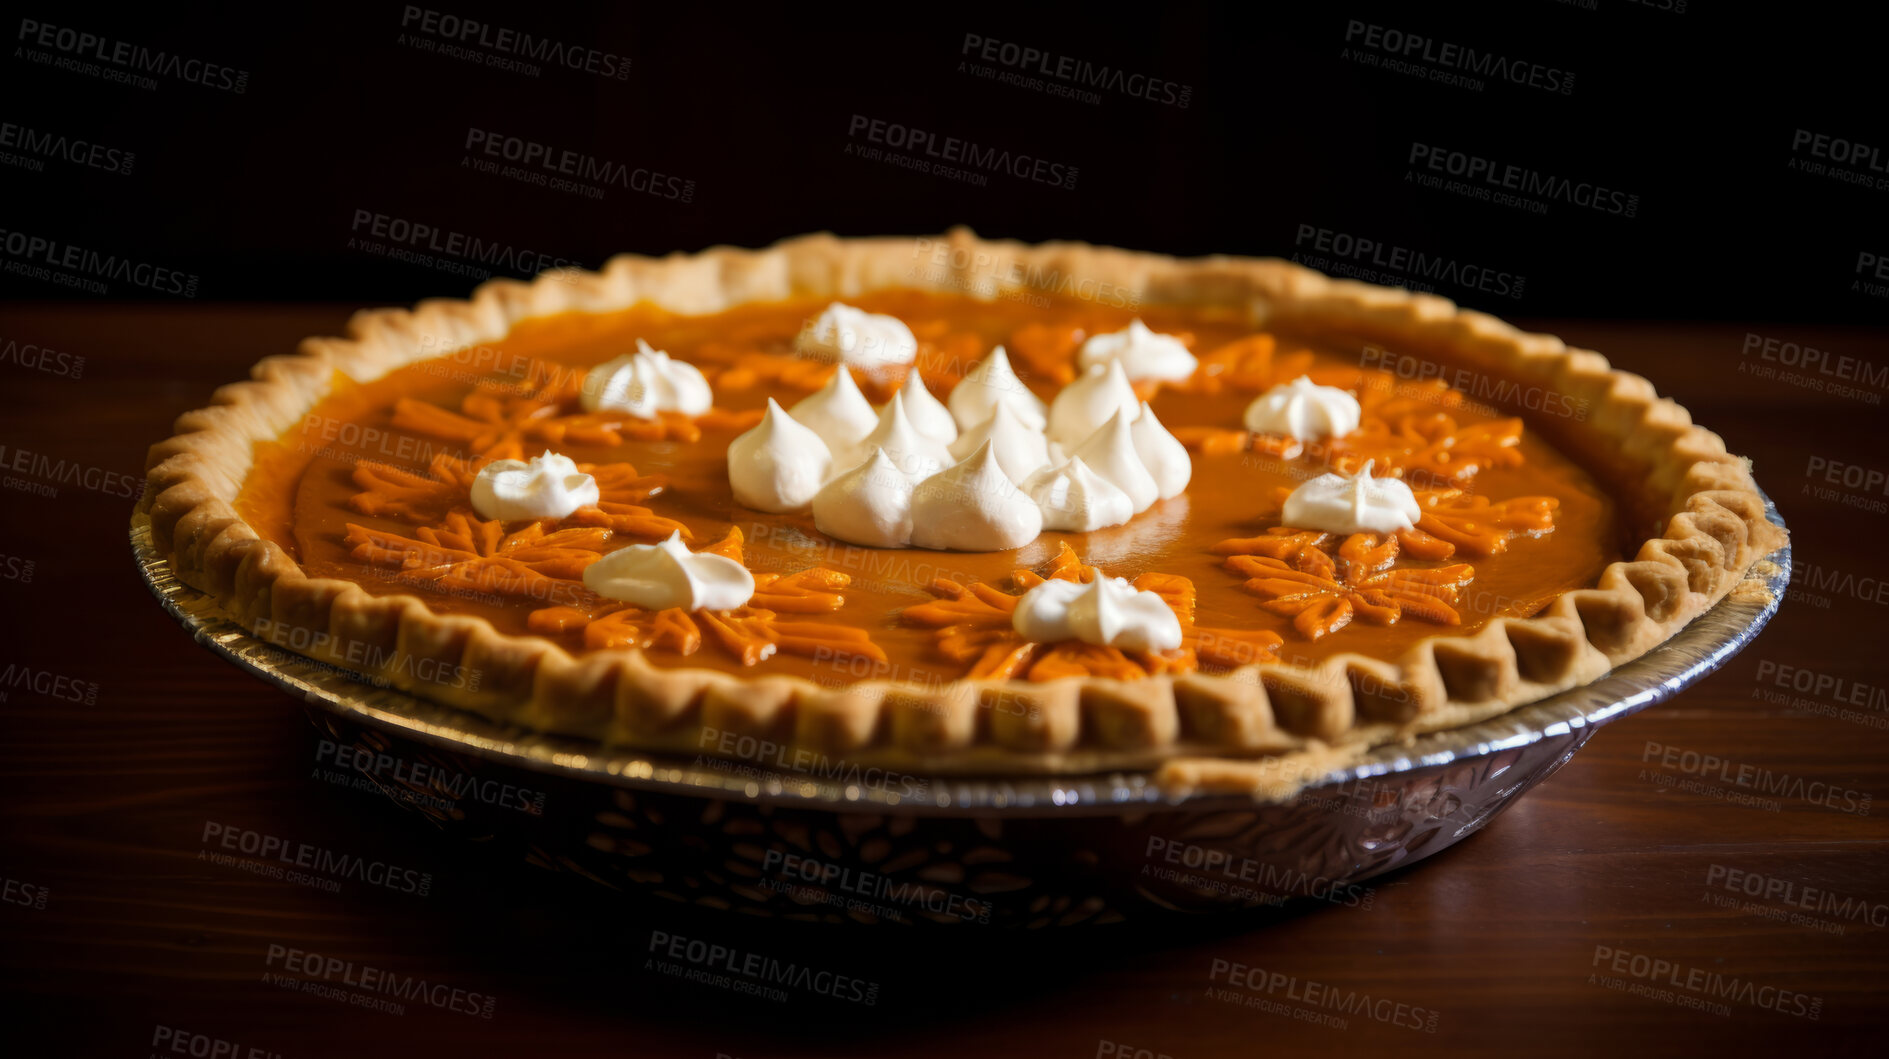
<point>1538,935</point>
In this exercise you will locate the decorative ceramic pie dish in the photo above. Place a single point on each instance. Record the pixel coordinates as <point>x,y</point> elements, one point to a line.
<point>958,506</point>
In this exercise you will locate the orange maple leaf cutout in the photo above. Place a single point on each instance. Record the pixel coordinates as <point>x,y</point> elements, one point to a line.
<point>750,634</point>
<point>973,627</point>
<point>1324,580</point>
<point>543,408</point>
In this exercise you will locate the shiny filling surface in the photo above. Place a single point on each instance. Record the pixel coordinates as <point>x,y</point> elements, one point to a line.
<point>372,487</point>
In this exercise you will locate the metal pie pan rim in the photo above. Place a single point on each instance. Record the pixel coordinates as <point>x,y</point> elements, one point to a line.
<point>1698,649</point>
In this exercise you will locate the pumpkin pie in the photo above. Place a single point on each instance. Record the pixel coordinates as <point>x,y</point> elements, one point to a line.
<point>951,505</point>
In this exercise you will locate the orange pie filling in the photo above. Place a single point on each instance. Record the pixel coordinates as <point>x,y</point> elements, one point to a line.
<point>375,486</point>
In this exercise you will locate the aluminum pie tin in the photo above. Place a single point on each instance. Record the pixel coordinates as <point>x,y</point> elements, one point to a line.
<point>1686,658</point>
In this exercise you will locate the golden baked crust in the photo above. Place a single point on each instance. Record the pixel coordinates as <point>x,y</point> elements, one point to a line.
<point>1263,727</point>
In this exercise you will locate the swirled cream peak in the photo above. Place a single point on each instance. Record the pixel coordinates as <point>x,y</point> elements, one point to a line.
<point>1143,353</point>
<point>644,383</point>
<point>837,412</point>
<point>665,575</point>
<point>990,383</point>
<point>1106,612</point>
<point>779,465</point>
<point>973,507</point>
<point>926,412</point>
<point>1076,499</point>
<point>1304,411</point>
<point>1086,403</point>
<point>1162,454</point>
<point>857,337</point>
<point>910,451</point>
<point>870,505</point>
<point>1110,452</point>
<point>1359,503</point>
<point>550,486</point>
<point>1020,450</point>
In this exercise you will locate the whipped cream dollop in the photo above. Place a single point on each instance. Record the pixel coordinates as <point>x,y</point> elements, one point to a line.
<point>837,412</point>
<point>779,465</point>
<point>1106,612</point>
<point>870,505</point>
<point>990,383</point>
<point>858,338</point>
<point>1114,461</point>
<point>973,507</point>
<point>1021,451</point>
<point>1076,499</point>
<point>665,575</point>
<point>550,486</point>
<point>1110,453</point>
<point>1162,454</point>
<point>1303,411</point>
<point>644,383</point>
<point>1145,354</point>
<point>926,412</point>
<point>910,451</point>
<point>1359,503</point>
<point>1087,402</point>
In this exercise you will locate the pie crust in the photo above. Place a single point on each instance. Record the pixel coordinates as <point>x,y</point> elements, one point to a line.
<point>1264,728</point>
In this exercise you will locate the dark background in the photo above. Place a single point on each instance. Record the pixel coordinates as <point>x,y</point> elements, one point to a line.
<point>1694,111</point>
